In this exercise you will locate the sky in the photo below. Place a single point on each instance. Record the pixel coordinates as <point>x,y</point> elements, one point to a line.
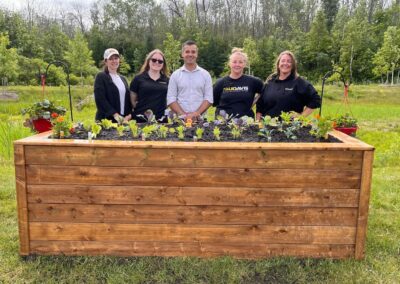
<point>17,5</point>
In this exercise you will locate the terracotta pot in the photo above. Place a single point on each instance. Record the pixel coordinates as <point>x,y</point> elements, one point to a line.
<point>41,125</point>
<point>347,130</point>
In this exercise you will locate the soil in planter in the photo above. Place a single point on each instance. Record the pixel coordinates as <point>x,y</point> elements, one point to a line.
<point>249,134</point>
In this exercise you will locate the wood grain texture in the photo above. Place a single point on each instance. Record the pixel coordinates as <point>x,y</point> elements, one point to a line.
<point>364,205</point>
<point>201,158</point>
<point>41,231</point>
<point>203,177</point>
<point>163,195</point>
<point>23,221</point>
<point>201,249</point>
<point>348,144</point>
<point>161,214</point>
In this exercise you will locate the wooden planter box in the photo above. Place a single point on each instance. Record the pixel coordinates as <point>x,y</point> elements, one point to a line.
<point>247,200</point>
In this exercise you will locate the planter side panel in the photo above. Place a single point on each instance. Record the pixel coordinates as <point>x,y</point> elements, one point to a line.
<point>201,202</point>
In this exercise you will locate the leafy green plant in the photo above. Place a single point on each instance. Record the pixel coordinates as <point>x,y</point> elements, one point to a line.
<point>147,130</point>
<point>345,120</point>
<point>269,121</point>
<point>217,133</point>
<point>321,126</point>
<point>120,130</point>
<point>199,132</point>
<point>286,117</point>
<point>181,132</point>
<point>107,124</point>
<point>236,131</point>
<point>43,109</point>
<point>96,129</point>
<point>134,128</point>
<point>266,133</point>
<point>162,131</point>
<point>61,126</point>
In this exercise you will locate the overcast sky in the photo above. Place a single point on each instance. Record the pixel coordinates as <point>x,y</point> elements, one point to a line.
<point>17,5</point>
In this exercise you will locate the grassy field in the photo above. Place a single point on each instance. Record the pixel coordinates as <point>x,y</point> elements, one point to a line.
<point>376,107</point>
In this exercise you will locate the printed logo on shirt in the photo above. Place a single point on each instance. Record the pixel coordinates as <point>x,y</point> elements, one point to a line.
<point>236,89</point>
<point>288,89</point>
<point>162,82</point>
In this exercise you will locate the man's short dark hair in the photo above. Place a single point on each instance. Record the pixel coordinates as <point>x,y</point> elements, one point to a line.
<point>188,42</point>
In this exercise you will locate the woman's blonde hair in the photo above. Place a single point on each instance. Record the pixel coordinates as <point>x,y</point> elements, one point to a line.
<point>240,51</point>
<point>146,65</point>
<point>276,66</point>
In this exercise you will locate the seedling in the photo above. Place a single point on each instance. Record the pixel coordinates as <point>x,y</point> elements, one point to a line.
<point>181,132</point>
<point>120,130</point>
<point>134,128</point>
<point>199,132</point>
<point>96,129</point>
<point>107,124</point>
<point>217,133</point>
<point>162,131</point>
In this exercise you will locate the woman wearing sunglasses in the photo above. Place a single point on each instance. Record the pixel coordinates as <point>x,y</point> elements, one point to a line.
<point>235,94</point>
<point>149,88</point>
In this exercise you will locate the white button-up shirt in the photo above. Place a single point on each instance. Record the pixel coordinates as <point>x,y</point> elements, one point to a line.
<point>190,88</point>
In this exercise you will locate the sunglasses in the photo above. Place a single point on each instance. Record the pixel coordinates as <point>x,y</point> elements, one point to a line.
<point>157,60</point>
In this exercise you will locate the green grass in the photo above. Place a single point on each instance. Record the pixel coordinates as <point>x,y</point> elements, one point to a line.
<point>378,111</point>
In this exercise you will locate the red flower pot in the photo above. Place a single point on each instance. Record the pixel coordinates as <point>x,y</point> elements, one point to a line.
<point>347,130</point>
<point>41,125</point>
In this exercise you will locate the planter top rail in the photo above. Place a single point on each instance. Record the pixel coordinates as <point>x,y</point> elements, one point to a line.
<point>348,142</point>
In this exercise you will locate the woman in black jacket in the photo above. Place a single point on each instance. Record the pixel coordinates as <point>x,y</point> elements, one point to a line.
<point>286,91</point>
<point>111,91</point>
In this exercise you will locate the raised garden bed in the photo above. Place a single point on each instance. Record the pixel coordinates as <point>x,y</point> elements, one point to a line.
<point>247,200</point>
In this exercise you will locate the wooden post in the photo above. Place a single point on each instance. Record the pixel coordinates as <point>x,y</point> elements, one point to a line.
<point>20,177</point>
<point>365,190</point>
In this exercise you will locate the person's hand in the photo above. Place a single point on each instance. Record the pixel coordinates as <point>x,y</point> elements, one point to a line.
<point>118,118</point>
<point>193,115</point>
<point>127,118</point>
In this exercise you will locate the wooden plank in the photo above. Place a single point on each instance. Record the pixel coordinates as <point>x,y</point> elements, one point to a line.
<point>349,143</point>
<point>201,249</point>
<point>19,155</point>
<point>201,158</point>
<point>192,233</point>
<point>161,214</point>
<point>23,221</point>
<point>203,177</point>
<point>162,195</point>
<point>364,204</point>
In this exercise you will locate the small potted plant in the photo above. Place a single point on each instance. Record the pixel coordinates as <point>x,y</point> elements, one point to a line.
<point>40,113</point>
<point>346,123</point>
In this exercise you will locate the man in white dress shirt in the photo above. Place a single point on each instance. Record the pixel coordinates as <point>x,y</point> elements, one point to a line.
<point>190,91</point>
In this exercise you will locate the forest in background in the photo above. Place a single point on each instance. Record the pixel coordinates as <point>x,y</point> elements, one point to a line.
<point>361,38</point>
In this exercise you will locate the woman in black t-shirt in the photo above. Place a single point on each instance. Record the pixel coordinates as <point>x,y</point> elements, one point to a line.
<point>235,93</point>
<point>149,88</point>
<point>286,91</point>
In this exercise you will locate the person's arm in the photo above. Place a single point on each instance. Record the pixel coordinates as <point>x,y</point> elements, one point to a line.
<point>260,105</point>
<point>202,108</point>
<point>175,107</point>
<point>217,91</point>
<point>133,97</point>
<point>172,96</point>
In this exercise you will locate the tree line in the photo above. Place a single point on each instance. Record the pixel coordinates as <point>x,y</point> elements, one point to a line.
<point>360,38</point>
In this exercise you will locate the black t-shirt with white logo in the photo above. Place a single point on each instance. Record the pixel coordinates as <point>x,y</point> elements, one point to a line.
<point>150,95</point>
<point>236,96</point>
<point>291,94</point>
